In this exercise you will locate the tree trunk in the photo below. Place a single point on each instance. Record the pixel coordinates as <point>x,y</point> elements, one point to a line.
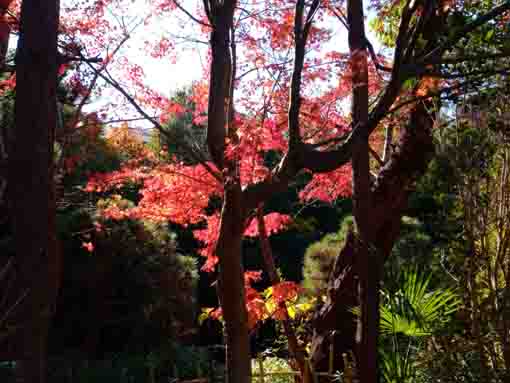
<point>274,278</point>
<point>334,321</point>
<point>31,194</point>
<point>366,266</point>
<point>231,287</point>
<point>4,44</point>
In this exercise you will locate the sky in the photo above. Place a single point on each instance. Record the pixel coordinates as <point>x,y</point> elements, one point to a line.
<point>167,76</point>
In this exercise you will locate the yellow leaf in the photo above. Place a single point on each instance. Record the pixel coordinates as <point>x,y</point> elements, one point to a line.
<point>205,314</point>
<point>268,292</point>
<point>291,311</point>
<point>270,305</point>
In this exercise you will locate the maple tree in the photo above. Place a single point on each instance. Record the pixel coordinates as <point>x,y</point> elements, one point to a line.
<point>281,51</point>
<point>277,84</point>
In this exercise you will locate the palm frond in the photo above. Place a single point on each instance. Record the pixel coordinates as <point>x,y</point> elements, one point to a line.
<point>412,310</point>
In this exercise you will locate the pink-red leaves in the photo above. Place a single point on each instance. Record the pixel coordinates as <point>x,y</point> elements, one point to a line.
<point>88,246</point>
<point>275,222</point>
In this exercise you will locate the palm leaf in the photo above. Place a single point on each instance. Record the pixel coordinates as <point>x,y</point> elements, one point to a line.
<point>412,310</point>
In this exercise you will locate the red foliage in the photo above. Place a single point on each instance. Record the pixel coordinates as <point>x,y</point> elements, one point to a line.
<point>328,186</point>
<point>208,236</point>
<point>88,246</point>
<point>8,84</point>
<point>285,291</point>
<point>264,37</point>
<point>274,222</point>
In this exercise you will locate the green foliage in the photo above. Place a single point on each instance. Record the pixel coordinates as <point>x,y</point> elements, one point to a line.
<point>413,310</point>
<point>143,289</point>
<point>100,159</point>
<point>413,247</point>
<point>190,362</point>
<point>180,125</point>
<point>273,364</point>
<point>320,256</point>
<point>397,367</point>
<point>118,369</point>
<point>386,28</point>
<point>408,314</point>
<point>461,202</point>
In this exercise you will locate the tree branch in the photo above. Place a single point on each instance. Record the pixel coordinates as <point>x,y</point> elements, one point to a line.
<point>463,32</point>
<point>222,15</point>
<point>184,10</point>
<point>295,84</point>
<point>189,150</point>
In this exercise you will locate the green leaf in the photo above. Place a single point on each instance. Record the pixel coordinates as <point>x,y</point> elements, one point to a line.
<point>413,310</point>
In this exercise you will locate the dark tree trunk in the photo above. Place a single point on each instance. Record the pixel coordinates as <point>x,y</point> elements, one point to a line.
<point>231,287</point>
<point>31,194</point>
<point>4,44</point>
<point>390,193</point>
<point>365,261</point>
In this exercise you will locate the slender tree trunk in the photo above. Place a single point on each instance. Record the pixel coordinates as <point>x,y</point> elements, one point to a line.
<point>367,270</point>
<point>388,142</point>
<point>31,194</point>
<point>505,332</point>
<point>231,287</point>
<point>274,278</point>
<point>228,248</point>
<point>4,45</point>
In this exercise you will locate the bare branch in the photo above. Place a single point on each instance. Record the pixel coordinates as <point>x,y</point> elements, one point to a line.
<point>309,18</point>
<point>184,10</point>
<point>295,85</point>
<point>179,140</point>
<point>376,156</point>
<point>62,59</point>
<point>340,16</point>
<point>116,121</point>
<point>388,141</point>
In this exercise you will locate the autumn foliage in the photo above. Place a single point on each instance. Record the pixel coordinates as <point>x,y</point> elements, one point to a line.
<point>270,108</point>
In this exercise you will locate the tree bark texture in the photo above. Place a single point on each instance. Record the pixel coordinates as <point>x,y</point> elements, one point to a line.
<point>221,17</point>
<point>366,269</point>
<point>231,287</point>
<point>31,196</point>
<point>334,321</point>
<point>231,291</point>
<point>4,44</point>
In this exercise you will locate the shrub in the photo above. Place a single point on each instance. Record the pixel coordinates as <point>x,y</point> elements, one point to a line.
<point>272,365</point>
<point>320,256</point>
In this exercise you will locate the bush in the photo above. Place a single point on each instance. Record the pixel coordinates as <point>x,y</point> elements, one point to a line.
<point>320,257</point>
<point>272,365</point>
<point>132,292</point>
